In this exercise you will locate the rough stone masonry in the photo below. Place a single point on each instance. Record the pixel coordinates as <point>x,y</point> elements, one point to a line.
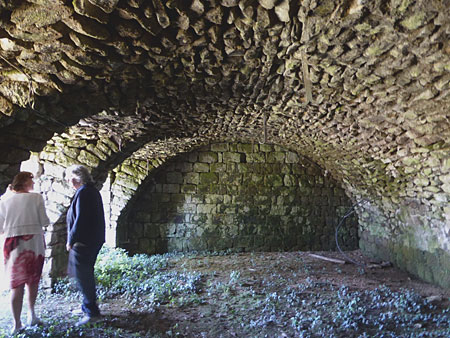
<point>360,88</point>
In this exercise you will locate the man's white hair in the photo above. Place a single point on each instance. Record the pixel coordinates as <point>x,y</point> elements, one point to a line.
<point>80,173</point>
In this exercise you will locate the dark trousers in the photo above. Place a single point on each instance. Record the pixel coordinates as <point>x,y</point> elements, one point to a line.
<point>81,267</point>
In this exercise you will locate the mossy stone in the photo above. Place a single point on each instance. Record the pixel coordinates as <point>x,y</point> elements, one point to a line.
<point>414,21</point>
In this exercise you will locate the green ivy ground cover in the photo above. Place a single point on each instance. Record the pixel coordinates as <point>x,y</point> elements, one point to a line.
<point>245,295</point>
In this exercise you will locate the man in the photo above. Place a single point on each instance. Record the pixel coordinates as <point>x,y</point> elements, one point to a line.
<point>85,237</point>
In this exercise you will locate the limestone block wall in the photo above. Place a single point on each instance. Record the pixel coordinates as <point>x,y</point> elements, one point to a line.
<point>413,234</point>
<point>61,152</point>
<point>124,182</point>
<point>57,198</point>
<point>237,196</point>
<point>407,220</point>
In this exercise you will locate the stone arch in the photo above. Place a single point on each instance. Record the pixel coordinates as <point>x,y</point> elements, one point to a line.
<point>361,177</point>
<point>131,173</point>
<point>106,156</point>
<point>378,179</point>
<point>359,87</point>
<point>237,196</point>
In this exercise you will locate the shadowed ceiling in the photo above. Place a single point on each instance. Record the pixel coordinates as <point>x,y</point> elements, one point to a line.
<point>360,88</point>
<point>356,86</point>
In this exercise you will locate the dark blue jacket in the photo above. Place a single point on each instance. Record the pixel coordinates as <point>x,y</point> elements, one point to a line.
<point>85,217</point>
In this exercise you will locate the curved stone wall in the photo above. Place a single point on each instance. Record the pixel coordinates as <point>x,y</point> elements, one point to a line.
<point>362,88</point>
<point>118,182</point>
<point>236,196</point>
<point>63,150</point>
<point>411,233</point>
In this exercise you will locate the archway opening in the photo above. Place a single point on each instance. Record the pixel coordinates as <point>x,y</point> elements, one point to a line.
<point>240,197</point>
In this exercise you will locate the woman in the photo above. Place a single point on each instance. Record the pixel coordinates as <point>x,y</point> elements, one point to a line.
<point>22,217</point>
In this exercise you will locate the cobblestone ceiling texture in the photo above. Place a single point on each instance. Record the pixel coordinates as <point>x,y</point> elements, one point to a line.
<point>362,88</point>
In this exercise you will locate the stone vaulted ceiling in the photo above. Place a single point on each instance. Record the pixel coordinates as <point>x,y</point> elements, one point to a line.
<point>360,87</point>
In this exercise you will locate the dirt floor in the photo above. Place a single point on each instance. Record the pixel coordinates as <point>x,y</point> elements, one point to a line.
<point>251,295</point>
